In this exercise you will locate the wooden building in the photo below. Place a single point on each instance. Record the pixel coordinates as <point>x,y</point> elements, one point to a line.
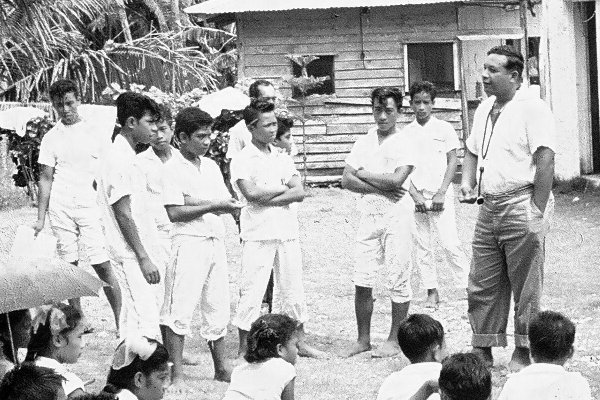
<point>366,44</point>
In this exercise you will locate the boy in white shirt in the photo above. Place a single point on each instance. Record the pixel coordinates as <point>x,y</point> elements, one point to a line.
<point>198,271</point>
<point>551,336</point>
<point>431,190</point>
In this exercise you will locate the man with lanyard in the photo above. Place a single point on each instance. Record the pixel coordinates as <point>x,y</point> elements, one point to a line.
<point>511,150</point>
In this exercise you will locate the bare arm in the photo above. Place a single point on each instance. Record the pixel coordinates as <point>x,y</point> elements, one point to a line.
<point>122,210</point>
<point>294,194</point>
<point>469,178</point>
<point>418,198</point>
<point>353,183</point>
<point>44,189</point>
<point>439,198</point>
<point>426,390</point>
<point>255,194</point>
<point>288,391</point>
<point>387,181</point>
<point>187,212</point>
<point>543,159</point>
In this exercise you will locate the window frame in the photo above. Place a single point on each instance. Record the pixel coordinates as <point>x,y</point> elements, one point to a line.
<point>333,57</point>
<point>455,66</point>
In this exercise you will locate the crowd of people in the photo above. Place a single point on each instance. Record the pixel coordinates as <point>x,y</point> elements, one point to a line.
<point>150,224</point>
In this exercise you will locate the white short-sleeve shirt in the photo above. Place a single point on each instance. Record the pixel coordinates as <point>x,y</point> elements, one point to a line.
<point>434,140</point>
<point>260,381</point>
<point>395,151</point>
<point>120,176</point>
<point>525,124</point>
<point>545,382</point>
<point>182,178</point>
<point>71,382</point>
<point>402,385</point>
<point>259,222</point>
<point>152,167</point>
<point>73,151</point>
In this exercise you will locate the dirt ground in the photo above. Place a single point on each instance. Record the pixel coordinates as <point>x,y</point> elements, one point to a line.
<point>328,220</point>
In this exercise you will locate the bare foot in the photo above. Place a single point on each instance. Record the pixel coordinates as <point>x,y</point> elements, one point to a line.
<point>388,349</point>
<point>306,350</point>
<point>356,348</point>
<point>223,375</point>
<point>433,299</point>
<point>485,354</point>
<point>189,359</point>
<point>519,360</point>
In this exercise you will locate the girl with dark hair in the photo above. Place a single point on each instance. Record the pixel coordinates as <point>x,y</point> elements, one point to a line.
<point>139,370</point>
<point>57,340</point>
<point>20,327</point>
<point>269,372</point>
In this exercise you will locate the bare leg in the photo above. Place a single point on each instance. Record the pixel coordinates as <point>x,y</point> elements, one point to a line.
<point>363,306</point>
<point>485,354</point>
<point>113,291</point>
<point>174,344</point>
<point>391,347</point>
<point>222,368</point>
<point>519,360</point>
<point>306,350</point>
<point>433,298</point>
<point>76,302</point>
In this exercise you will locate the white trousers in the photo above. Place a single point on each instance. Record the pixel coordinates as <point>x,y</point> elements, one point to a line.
<point>197,274</point>
<point>258,259</point>
<point>443,224</point>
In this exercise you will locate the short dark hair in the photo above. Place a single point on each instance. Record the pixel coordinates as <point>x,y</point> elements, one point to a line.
<point>284,124</point>
<point>266,333</point>
<point>417,334</point>
<point>464,376</point>
<point>514,59</point>
<point>61,87</point>
<point>30,382</point>
<point>254,91</point>
<point>424,86</point>
<point>98,396</point>
<point>190,119</point>
<point>382,93</point>
<point>165,114</point>
<point>252,112</point>
<point>131,104</point>
<point>551,336</point>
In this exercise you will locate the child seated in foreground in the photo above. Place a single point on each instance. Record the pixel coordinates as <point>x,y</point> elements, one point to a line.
<point>421,339</point>
<point>269,372</point>
<point>551,337</point>
<point>139,370</point>
<point>30,382</point>
<point>464,376</point>
<point>19,329</point>
<point>57,339</point>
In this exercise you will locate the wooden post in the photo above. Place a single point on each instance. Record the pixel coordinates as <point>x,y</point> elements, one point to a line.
<point>466,129</point>
<point>523,18</point>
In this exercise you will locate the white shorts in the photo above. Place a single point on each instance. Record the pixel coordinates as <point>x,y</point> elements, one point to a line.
<point>78,225</point>
<point>196,274</point>
<point>258,259</point>
<point>385,241</point>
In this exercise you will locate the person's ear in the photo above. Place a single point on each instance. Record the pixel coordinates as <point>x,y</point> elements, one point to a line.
<point>514,75</point>
<point>436,353</point>
<point>139,379</point>
<point>59,340</point>
<point>571,352</point>
<point>131,122</point>
<point>279,349</point>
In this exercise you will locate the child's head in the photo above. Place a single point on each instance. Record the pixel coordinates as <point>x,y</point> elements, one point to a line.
<point>422,97</point>
<point>165,133</point>
<point>58,331</point>
<point>551,337</point>
<point>421,339</point>
<point>273,335</point>
<point>464,376</point>
<point>20,326</point>
<point>193,130</point>
<point>30,382</point>
<point>138,114</point>
<point>140,365</point>
<point>283,138</point>
<point>261,121</point>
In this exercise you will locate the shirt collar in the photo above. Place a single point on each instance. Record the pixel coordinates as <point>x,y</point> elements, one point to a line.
<point>256,151</point>
<point>542,367</point>
<point>122,143</point>
<point>125,394</point>
<point>423,367</point>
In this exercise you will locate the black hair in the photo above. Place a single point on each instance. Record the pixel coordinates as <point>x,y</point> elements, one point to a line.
<point>551,336</point>
<point>61,87</point>
<point>424,86</point>
<point>266,333</point>
<point>284,124</point>
<point>16,318</point>
<point>254,91</point>
<point>98,396</point>
<point>255,109</point>
<point>190,119</point>
<point>136,105</point>
<point>41,340</point>
<point>165,114</point>
<point>30,382</point>
<point>417,334</point>
<point>119,379</point>
<point>514,59</point>
<point>381,94</point>
<point>464,376</point>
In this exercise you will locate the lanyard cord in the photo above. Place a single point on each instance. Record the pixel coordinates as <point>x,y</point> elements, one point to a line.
<point>484,152</point>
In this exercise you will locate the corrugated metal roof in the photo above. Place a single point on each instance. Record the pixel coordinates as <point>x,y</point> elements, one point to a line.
<point>237,6</point>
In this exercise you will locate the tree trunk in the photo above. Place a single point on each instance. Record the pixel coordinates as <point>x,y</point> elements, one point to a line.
<point>124,22</point>
<point>154,7</point>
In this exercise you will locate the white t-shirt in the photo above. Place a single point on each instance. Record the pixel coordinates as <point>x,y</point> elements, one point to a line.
<point>125,394</point>
<point>402,385</point>
<point>260,222</point>
<point>395,151</point>
<point>120,176</point>
<point>260,381</point>
<point>152,167</point>
<point>73,151</point>
<point>434,140</point>
<point>525,124</point>
<point>182,178</point>
<point>545,382</point>
<point>71,383</point>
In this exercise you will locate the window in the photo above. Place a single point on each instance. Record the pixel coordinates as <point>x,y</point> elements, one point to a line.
<point>323,66</point>
<point>532,62</point>
<point>433,62</point>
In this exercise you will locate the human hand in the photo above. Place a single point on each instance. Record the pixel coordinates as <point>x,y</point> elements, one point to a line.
<point>420,202</point>
<point>231,206</point>
<point>437,202</point>
<point>38,226</point>
<point>467,195</point>
<point>394,195</point>
<point>150,271</point>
